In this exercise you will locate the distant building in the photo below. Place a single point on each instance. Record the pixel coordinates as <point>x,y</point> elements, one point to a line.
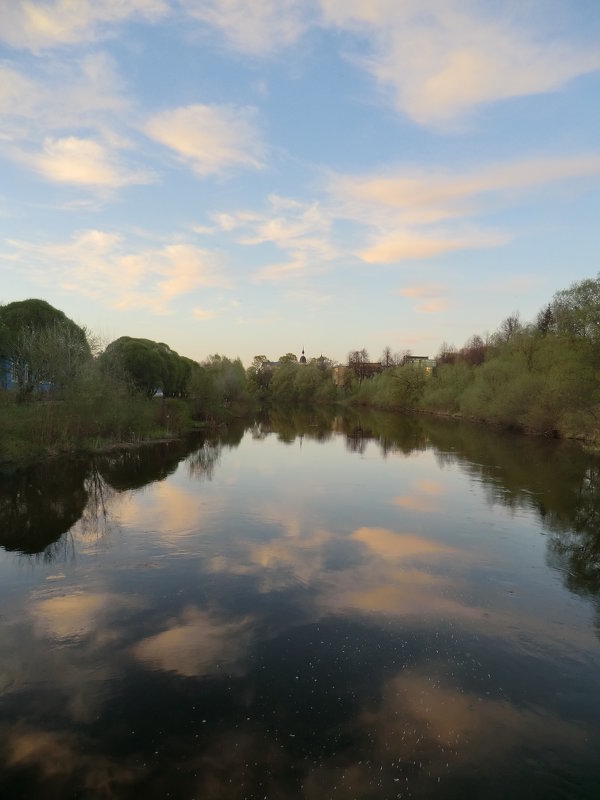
<point>427,363</point>
<point>338,374</point>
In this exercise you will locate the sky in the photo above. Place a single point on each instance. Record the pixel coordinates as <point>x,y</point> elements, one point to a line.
<point>251,177</point>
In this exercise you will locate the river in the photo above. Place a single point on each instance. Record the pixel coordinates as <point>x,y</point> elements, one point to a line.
<point>306,607</point>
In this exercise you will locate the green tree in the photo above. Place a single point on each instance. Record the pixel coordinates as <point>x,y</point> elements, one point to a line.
<point>43,344</point>
<point>259,376</point>
<point>148,366</point>
<point>288,358</point>
<point>576,310</point>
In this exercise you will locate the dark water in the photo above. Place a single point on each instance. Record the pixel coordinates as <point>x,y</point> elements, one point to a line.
<point>312,608</point>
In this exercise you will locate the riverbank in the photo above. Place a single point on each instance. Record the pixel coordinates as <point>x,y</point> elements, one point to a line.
<point>48,428</point>
<point>589,437</point>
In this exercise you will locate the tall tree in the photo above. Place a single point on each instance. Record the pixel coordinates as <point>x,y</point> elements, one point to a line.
<point>43,344</point>
<point>576,310</point>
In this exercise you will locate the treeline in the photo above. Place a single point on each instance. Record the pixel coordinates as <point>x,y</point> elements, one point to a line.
<point>61,390</point>
<point>542,376</point>
<point>292,382</point>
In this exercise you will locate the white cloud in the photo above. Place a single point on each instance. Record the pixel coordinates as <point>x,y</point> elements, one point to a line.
<point>83,93</point>
<point>209,138</point>
<point>69,126</point>
<point>442,60</point>
<point>119,274</point>
<point>410,214</point>
<point>260,27</point>
<point>82,162</point>
<point>301,231</point>
<point>410,245</point>
<point>431,297</point>
<point>196,644</point>
<point>37,25</point>
<point>204,314</point>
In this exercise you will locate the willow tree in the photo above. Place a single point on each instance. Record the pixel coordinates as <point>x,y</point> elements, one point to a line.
<point>42,344</point>
<point>148,366</point>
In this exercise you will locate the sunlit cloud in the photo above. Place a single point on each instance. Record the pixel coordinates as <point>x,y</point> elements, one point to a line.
<point>79,614</point>
<point>302,231</point>
<point>65,94</point>
<point>210,138</point>
<point>38,25</point>
<point>412,215</point>
<point>431,297</point>
<point>421,290</point>
<point>196,644</point>
<point>431,196</point>
<point>82,162</point>
<point>259,28</point>
<point>58,757</point>
<point>123,275</point>
<point>392,545</point>
<point>440,61</point>
<point>71,125</point>
<point>413,246</point>
<point>204,313</point>
<point>424,498</point>
<point>455,727</point>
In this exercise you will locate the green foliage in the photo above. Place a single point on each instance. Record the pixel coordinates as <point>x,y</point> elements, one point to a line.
<point>543,378</point>
<point>219,388</point>
<point>399,388</point>
<point>576,310</point>
<point>302,384</point>
<point>44,345</point>
<point>148,366</point>
<point>446,387</point>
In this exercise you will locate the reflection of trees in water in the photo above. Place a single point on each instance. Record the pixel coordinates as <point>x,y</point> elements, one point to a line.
<point>356,442</point>
<point>136,467</point>
<point>391,432</point>
<point>93,518</point>
<point>577,546</point>
<point>290,424</point>
<point>40,503</point>
<point>558,480</point>
<point>202,462</point>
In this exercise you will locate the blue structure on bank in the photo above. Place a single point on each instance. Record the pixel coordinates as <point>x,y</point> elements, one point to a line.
<point>7,376</point>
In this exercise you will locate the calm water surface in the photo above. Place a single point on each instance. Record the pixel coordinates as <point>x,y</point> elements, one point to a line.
<point>311,608</point>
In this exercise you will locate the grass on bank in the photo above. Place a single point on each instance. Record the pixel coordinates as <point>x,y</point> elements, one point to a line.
<point>47,427</point>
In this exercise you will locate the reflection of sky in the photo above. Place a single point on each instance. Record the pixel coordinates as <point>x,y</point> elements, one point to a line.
<point>311,605</point>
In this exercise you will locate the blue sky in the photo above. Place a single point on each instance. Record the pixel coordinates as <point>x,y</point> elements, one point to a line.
<point>255,176</point>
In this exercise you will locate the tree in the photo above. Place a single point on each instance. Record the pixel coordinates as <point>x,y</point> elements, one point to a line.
<point>387,359</point>
<point>44,345</point>
<point>289,358</point>
<point>259,376</point>
<point>447,354</point>
<point>545,321</point>
<point>357,361</point>
<point>149,366</point>
<point>473,352</point>
<point>509,327</point>
<point>576,310</point>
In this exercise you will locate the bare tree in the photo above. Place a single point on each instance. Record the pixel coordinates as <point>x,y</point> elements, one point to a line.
<point>387,358</point>
<point>357,361</point>
<point>447,354</point>
<point>473,351</point>
<point>509,327</point>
